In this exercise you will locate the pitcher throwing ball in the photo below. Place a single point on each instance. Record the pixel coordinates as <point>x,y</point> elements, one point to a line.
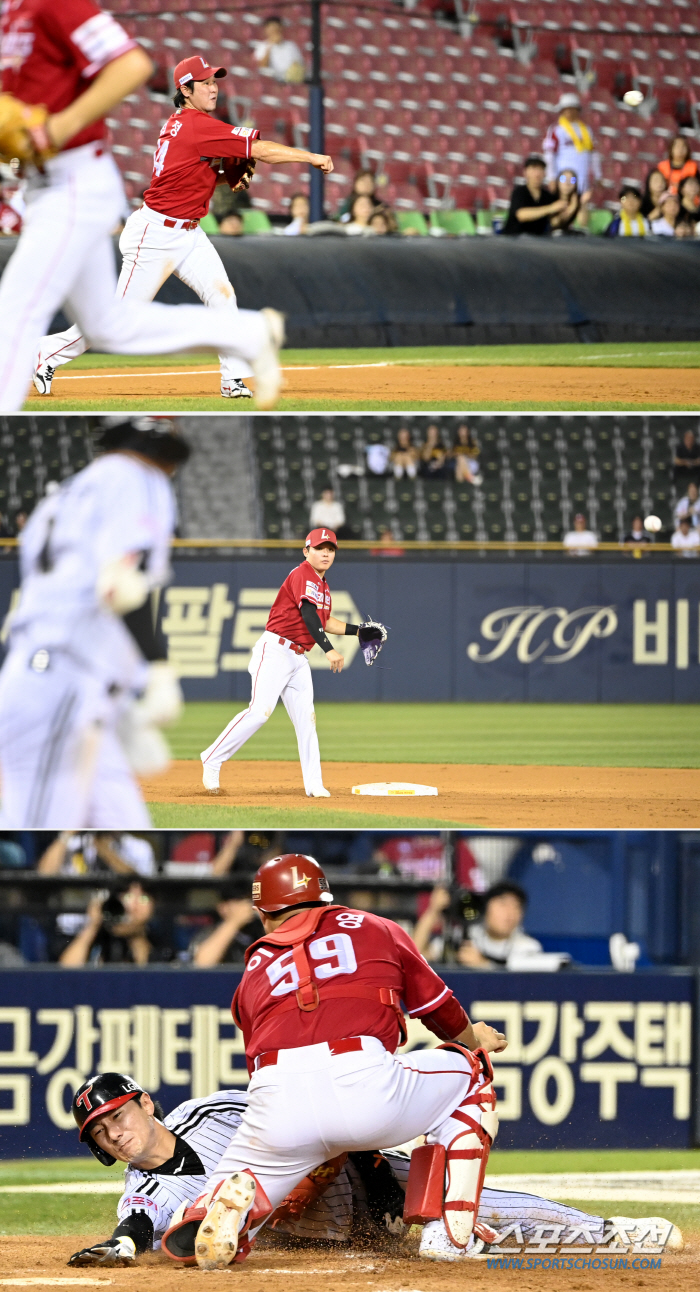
<point>194,153</point>
<point>298,620</point>
<point>319,1008</point>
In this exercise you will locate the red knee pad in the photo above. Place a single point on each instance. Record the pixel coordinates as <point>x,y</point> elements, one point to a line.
<point>425,1187</point>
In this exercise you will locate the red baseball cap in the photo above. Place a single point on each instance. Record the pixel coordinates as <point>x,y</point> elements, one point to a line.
<point>195,69</point>
<point>318,536</point>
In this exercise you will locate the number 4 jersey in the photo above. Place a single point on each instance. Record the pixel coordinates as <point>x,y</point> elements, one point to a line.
<point>357,962</point>
<point>185,164</point>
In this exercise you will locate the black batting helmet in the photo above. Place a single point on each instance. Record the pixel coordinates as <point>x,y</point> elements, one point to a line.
<point>101,1094</point>
<point>156,437</point>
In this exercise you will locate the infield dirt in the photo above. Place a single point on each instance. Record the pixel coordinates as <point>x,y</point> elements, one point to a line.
<point>408,385</point>
<point>43,1260</point>
<point>490,796</point>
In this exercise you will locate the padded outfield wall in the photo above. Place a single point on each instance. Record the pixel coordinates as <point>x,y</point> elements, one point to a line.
<point>339,291</point>
<point>570,630</point>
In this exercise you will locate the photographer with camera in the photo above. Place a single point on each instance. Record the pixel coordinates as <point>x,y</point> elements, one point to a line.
<point>118,929</point>
<point>478,931</point>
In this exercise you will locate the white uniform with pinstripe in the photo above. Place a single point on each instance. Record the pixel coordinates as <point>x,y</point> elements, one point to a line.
<point>73,666</point>
<point>207,1125</point>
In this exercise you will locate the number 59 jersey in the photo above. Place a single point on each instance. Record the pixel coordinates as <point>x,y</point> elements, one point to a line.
<point>358,956</point>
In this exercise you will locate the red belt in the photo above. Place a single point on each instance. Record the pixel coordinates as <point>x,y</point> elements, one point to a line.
<point>298,650</point>
<point>269,1058</point>
<point>185,224</point>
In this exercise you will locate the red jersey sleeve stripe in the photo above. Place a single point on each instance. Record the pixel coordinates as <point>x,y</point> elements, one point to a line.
<point>425,1009</point>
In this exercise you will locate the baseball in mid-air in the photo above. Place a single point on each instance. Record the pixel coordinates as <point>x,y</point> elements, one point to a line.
<point>633,98</point>
<point>653,524</point>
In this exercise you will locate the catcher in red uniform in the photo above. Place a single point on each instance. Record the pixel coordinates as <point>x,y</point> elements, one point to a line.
<point>320,1006</point>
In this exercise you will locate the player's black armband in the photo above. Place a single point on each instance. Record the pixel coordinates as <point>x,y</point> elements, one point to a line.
<point>149,640</point>
<point>351,630</point>
<point>138,1226</point>
<point>310,616</point>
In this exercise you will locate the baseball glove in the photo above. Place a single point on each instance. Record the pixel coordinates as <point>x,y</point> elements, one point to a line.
<point>239,172</point>
<point>372,637</point>
<point>113,1251</point>
<point>23,132</point>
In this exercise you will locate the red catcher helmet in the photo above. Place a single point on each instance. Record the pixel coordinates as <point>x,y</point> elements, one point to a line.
<point>290,880</point>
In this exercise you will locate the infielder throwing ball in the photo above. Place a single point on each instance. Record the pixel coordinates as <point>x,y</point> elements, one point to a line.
<point>300,615</point>
<point>64,66</point>
<point>170,1158</point>
<point>82,645</point>
<point>194,153</point>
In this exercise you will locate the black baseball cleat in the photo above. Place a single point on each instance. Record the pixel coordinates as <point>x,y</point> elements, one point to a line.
<point>43,377</point>
<point>235,389</point>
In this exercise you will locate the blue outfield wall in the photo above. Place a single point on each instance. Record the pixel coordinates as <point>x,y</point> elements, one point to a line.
<point>595,1059</point>
<point>576,630</point>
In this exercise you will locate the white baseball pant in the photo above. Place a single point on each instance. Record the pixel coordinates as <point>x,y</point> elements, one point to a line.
<point>151,252</point>
<point>277,673</point>
<point>61,763</point>
<point>312,1105</point>
<point>64,257</point>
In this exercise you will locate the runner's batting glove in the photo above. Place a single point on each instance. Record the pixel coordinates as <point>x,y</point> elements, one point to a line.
<point>372,637</point>
<point>23,132</point>
<point>113,1251</point>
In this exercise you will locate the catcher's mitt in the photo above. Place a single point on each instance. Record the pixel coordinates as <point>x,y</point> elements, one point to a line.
<point>23,132</point>
<point>239,172</point>
<point>372,637</point>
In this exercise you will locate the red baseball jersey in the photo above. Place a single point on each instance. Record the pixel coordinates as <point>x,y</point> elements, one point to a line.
<point>348,947</point>
<point>49,53</point>
<point>186,162</point>
<point>303,584</point>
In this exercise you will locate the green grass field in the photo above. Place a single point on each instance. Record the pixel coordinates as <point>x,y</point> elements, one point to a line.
<point>565,735</point>
<point>96,1213</point>
<point>684,354</point>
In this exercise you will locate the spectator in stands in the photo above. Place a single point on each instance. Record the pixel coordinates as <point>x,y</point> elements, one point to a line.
<point>363,185</point>
<point>21,519</point>
<point>388,545</point>
<point>531,205</point>
<point>80,854</point>
<point>6,529</point>
<point>327,512</point>
<point>382,221</point>
<point>379,457</point>
<point>684,230</point>
<point>580,540</point>
<point>686,461</point>
<point>637,533</point>
<point>495,941</point>
<point>362,209</point>
<point>232,225</point>
<point>567,190</point>
<point>12,855</point>
<point>569,146</point>
<point>228,942</point>
<point>299,211</point>
<point>678,164</point>
<point>278,57</point>
<point>686,538</point>
<point>689,194</point>
<point>433,454</point>
<point>405,458</point>
<point>653,189</point>
<point>118,930</point>
<point>670,206</point>
<point>688,505</point>
<point>630,223</point>
<point>465,454</point>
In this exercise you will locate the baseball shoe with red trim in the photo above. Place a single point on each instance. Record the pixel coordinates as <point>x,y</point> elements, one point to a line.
<point>42,378</point>
<point>216,1243</point>
<point>436,1245</point>
<point>235,389</point>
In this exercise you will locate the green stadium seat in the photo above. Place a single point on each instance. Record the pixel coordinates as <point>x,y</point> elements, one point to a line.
<point>256,221</point>
<point>412,220</point>
<point>458,223</point>
<point>599,221</point>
